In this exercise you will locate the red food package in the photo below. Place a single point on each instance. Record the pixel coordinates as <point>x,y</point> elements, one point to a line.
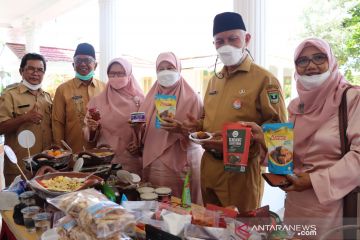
<point>224,212</point>
<point>236,146</point>
<point>94,113</point>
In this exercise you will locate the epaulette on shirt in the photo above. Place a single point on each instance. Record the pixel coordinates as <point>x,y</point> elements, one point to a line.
<point>11,86</point>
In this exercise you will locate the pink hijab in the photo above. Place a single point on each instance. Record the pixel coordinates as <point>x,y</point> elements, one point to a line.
<point>115,107</point>
<point>157,141</point>
<point>319,104</point>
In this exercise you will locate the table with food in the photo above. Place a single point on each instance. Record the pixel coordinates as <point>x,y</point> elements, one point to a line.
<point>84,196</point>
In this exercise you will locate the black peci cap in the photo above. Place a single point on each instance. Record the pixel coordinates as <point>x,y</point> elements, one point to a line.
<point>228,21</point>
<point>85,49</point>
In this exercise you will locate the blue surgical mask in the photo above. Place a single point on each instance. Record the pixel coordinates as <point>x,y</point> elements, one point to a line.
<point>85,77</point>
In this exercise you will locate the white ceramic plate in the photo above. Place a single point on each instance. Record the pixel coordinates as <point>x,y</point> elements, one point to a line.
<point>193,137</point>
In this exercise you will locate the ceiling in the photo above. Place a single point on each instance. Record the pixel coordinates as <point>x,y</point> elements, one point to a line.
<point>14,12</point>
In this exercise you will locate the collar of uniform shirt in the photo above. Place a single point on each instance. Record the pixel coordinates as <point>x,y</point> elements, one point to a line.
<point>78,83</point>
<point>243,67</point>
<point>23,89</point>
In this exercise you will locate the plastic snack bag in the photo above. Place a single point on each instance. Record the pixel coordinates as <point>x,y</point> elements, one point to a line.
<point>236,146</point>
<point>279,139</point>
<point>165,108</point>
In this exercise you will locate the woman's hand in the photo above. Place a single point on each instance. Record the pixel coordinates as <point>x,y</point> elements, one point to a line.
<point>174,126</point>
<point>257,134</point>
<point>91,123</point>
<point>191,123</point>
<point>298,182</point>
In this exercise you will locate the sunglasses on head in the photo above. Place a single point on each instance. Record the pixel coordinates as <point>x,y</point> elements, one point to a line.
<point>317,59</point>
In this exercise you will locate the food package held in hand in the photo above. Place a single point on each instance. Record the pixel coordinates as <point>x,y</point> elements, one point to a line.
<point>165,108</point>
<point>279,139</point>
<point>236,146</point>
<point>94,113</point>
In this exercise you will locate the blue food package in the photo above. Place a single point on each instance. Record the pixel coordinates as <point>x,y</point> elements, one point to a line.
<point>279,140</point>
<point>165,108</point>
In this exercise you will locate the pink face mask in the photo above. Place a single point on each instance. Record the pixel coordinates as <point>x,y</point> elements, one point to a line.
<point>118,82</point>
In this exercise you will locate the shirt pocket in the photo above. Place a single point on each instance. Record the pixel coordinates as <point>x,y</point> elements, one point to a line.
<point>77,108</point>
<point>21,109</point>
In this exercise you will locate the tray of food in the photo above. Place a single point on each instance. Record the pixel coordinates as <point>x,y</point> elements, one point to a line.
<point>97,156</point>
<point>58,183</point>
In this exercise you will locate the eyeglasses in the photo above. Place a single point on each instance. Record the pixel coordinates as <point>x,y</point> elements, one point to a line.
<point>317,59</point>
<point>85,60</point>
<point>230,40</point>
<point>32,70</point>
<point>116,74</point>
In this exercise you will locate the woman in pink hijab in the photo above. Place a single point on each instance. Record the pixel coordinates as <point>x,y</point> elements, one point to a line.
<point>121,97</point>
<point>167,150</point>
<point>323,177</point>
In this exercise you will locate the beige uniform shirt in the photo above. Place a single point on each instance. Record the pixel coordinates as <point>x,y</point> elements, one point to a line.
<point>16,101</point>
<point>250,93</point>
<point>69,109</point>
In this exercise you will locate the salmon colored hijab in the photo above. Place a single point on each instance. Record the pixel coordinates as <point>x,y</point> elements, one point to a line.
<point>115,107</point>
<point>319,104</point>
<point>158,141</point>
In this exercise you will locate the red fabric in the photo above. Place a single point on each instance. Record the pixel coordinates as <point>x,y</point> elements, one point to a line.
<point>6,234</point>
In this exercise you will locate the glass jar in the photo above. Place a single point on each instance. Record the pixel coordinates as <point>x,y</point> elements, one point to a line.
<point>164,194</point>
<point>149,196</point>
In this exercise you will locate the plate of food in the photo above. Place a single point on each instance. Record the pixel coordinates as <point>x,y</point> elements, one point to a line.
<point>57,183</point>
<point>199,137</point>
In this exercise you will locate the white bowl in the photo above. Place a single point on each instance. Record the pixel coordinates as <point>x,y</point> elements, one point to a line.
<point>193,137</point>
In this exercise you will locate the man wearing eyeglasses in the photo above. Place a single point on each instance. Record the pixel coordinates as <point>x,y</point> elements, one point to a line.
<point>25,106</point>
<point>72,97</point>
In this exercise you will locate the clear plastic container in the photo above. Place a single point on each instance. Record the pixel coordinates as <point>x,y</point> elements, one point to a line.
<point>42,222</point>
<point>28,214</point>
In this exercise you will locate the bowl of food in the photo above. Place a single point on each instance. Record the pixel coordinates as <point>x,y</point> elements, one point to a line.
<point>97,156</point>
<point>199,137</point>
<point>54,157</point>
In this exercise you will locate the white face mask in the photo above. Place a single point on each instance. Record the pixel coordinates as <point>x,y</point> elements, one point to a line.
<point>231,55</point>
<point>167,78</point>
<point>31,86</point>
<point>314,81</point>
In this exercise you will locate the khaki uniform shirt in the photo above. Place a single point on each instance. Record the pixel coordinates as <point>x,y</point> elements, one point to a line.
<point>249,93</point>
<point>69,110</point>
<point>15,101</point>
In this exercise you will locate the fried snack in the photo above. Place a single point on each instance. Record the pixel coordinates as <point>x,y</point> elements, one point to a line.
<point>73,203</point>
<point>201,135</point>
<point>106,219</point>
